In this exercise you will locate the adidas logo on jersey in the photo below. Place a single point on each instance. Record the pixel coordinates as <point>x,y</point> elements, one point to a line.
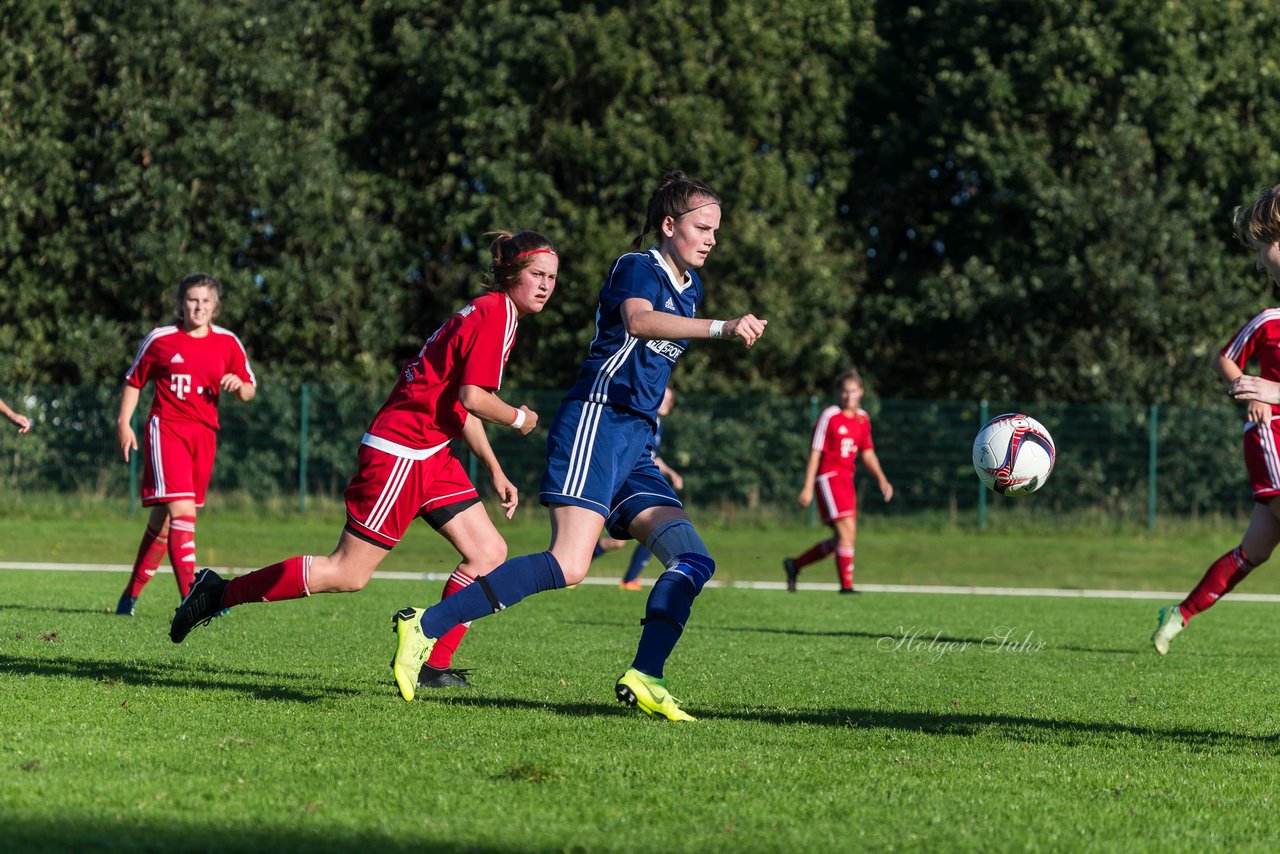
<point>177,359</point>
<point>669,305</point>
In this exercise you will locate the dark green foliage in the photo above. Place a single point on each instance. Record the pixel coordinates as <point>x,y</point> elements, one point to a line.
<point>968,199</point>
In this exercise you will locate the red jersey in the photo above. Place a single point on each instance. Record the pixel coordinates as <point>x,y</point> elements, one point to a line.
<point>1258,338</point>
<point>840,438</point>
<point>188,371</point>
<point>471,348</point>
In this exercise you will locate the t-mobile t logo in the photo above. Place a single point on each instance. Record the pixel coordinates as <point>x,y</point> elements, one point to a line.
<point>180,384</point>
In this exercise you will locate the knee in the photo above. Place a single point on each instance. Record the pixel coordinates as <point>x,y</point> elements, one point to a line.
<point>335,576</point>
<point>574,572</point>
<point>485,558</point>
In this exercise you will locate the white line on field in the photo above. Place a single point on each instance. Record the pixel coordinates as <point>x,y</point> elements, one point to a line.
<point>745,585</point>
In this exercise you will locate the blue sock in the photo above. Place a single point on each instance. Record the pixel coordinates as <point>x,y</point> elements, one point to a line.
<point>639,560</point>
<point>597,551</point>
<point>509,583</point>
<point>667,611</point>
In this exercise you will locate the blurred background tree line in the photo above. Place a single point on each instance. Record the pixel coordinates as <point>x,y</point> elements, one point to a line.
<point>965,199</point>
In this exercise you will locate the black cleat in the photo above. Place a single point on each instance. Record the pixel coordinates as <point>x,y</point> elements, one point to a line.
<point>202,604</point>
<point>124,608</point>
<point>792,571</point>
<point>449,677</point>
<point>849,591</point>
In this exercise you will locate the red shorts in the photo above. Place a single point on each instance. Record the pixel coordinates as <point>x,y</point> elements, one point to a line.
<point>836,497</point>
<point>177,461</point>
<point>1262,460</point>
<point>389,491</point>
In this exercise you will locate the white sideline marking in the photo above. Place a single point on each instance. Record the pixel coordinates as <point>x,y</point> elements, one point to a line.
<point>744,585</point>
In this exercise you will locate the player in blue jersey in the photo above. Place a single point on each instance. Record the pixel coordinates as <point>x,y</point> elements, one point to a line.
<point>640,555</point>
<point>600,469</point>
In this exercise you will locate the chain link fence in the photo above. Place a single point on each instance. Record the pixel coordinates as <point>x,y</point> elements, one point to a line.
<point>742,457</point>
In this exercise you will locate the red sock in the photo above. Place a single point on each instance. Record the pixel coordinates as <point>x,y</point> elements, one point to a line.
<point>1225,573</point>
<point>150,552</point>
<point>276,583</point>
<point>844,566</point>
<point>816,553</point>
<point>442,654</point>
<point>182,551</point>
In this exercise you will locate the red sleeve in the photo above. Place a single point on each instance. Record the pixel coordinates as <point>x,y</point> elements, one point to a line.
<point>1244,343</point>
<point>140,371</point>
<point>238,362</point>
<point>869,445</point>
<point>487,335</point>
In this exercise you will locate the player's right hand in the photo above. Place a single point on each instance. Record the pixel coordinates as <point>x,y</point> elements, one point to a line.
<point>1258,412</point>
<point>748,327</point>
<point>805,498</point>
<point>530,421</point>
<point>127,440</point>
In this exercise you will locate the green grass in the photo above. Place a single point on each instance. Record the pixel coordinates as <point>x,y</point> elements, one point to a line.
<point>890,551</point>
<point>878,722</point>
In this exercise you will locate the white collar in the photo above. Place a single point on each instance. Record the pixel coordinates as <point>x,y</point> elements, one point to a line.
<point>681,287</point>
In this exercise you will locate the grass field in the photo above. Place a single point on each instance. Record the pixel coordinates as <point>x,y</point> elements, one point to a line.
<point>881,722</point>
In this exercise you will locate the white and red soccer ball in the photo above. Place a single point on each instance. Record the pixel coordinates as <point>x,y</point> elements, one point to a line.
<point>1013,454</point>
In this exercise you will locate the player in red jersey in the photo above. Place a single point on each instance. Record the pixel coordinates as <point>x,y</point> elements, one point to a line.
<point>406,468</point>
<point>191,363</point>
<point>1257,225</point>
<point>841,436</point>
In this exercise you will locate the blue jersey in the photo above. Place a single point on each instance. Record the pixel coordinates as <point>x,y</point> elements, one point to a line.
<point>623,371</point>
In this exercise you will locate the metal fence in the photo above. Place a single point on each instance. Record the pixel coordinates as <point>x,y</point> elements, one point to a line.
<point>741,456</point>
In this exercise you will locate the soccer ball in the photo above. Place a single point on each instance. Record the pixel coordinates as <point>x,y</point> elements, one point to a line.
<point>1013,454</point>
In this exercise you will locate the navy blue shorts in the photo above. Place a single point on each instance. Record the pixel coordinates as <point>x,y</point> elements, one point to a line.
<point>601,458</point>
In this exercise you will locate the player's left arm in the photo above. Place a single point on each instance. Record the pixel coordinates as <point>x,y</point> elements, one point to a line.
<point>1258,393</point>
<point>669,473</point>
<point>872,464</point>
<point>478,441</point>
<point>239,378</point>
<point>244,391</point>
<point>647,323</point>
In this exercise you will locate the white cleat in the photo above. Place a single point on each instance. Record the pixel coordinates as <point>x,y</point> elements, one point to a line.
<point>1169,623</point>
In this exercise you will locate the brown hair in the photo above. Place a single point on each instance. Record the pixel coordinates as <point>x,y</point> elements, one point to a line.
<point>673,197</point>
<point>195,280</point>
<point>1260,220</point>
<point>851,374</point>
<point>512,253</point>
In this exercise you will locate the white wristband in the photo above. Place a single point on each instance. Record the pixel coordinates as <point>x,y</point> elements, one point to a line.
<point>519,422</point>
<point>717,329</point>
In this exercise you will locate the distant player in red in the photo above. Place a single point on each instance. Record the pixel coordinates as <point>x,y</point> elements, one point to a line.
<point>1258,225</point>
<point>406,468</point>
<point>841,436</point>
<point>191,363</point>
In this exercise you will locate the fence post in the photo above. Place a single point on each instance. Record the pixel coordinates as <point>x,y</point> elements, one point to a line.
<point>1151,469</point>
<point>133,468</point>
<point>983,417</point>
<point>813,419</point>
<point>304,425</point>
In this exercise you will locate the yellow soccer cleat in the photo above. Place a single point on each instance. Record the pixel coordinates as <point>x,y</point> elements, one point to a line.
<point>412,649</point>
<point>650,695</point>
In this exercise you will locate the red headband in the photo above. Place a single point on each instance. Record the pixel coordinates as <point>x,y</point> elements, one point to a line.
<point>535,252</point>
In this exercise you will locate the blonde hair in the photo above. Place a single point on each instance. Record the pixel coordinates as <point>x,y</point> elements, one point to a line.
<point>196,280</point>
<point>1259,221</point>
